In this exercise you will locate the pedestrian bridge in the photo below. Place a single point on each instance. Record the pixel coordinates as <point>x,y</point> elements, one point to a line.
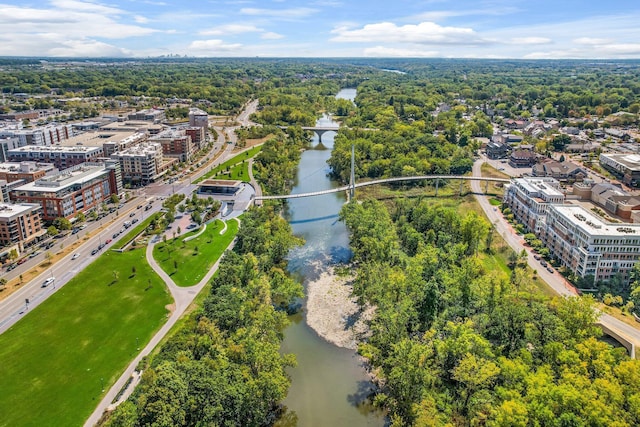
<point>384,181</point>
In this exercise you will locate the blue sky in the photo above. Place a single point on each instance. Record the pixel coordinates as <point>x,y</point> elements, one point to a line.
<point>321,28</point>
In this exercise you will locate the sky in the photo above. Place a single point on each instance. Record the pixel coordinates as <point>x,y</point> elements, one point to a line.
<point>533,29</point>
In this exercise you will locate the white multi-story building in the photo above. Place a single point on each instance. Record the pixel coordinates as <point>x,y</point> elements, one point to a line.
<point>141,164</point>
<point>529,200</point>
<point>62,157</point>
<point>589,246</point>
<point>44,135</point>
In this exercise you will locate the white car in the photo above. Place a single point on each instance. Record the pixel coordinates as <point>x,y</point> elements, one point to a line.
<point>75,256</point>
<point>49,281</point>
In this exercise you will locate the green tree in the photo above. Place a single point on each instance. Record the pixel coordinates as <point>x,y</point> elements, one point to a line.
<point>62,223</point>
<point>52,230</point>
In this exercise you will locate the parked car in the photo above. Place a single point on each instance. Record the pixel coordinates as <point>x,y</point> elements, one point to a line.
<point>108,241</point>
<point>11,267</point>
<point>95,251</point>
<point>134,220</point>
<point>550,270</point>
<point>543,263</point>
<point>115,235</point>
<point>536,257</point>
<point>132,214</point>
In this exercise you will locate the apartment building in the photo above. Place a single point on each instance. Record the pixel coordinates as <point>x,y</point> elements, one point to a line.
<point>142,164</point>
<point>198,136</point>
<point>529,200</point>
<point>44,135</point>
<point>71,191</point>
<point>20,224</point>
<point>175,143</point>
<point>62,157</point>
<point>589,246</point>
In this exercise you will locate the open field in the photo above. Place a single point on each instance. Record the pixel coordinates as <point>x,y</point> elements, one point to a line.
<point>188,262</point>
<point>59,359</point>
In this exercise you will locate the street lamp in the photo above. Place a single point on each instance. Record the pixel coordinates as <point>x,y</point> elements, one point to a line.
<point>102,383</point>
<point>137,344</point>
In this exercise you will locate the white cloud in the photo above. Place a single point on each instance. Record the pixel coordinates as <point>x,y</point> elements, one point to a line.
<point>389,52</point>
<point>141,19</point>
<point>441,15</point>
<point>271,36</point>
<point>211,47</point>
<point>530,40</point>
<point>231,29</point>
<point>591,41</point>
<point>423,33</point>
<point>292,13</point>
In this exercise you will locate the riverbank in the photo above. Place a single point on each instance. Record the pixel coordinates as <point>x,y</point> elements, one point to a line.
<point>333,312</point>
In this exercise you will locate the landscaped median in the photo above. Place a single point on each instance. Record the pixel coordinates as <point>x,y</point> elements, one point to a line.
<point>188,261</point>
<point>124,241</point>
<point>58,360</point>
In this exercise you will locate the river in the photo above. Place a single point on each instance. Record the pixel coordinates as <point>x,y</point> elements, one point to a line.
<point>330,385</point>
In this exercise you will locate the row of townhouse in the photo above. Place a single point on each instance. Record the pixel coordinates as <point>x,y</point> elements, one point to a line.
<point>581,241</point>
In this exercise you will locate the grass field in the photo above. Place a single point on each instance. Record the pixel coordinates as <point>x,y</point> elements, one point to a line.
<point>230,163</point>
<point>240,172</point>
<point>192,265</point>
<point>58,359</point>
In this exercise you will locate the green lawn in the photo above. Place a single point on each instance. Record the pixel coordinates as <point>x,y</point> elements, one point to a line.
<point>495,202</point>
<point>240,172</point>
<point>230,163</point>
<point>193,265</point>
<point>57,359</point>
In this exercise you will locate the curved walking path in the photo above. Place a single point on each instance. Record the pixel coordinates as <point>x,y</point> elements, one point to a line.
<point>183,297</point>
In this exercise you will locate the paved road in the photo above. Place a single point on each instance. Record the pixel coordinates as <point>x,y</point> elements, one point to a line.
<point>555,279</point>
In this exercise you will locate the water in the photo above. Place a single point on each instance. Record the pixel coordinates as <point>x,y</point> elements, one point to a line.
<point>329,386</point>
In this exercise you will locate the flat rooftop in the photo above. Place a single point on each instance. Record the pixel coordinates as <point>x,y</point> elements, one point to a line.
<point>99,138</point>
<point>539,185</point>
<point>66,178</point>
<point>9,210</point>
<point>630,161</point>
<point>594,225</point>
<point>15,167</point>
<point>219,183</point>
<point>132,126</point>
<point>55,149</point>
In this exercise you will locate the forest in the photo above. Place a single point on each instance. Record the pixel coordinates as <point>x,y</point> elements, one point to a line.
<point>456,344</point>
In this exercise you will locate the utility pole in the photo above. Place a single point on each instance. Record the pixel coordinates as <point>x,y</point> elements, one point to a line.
<point>352,180</point>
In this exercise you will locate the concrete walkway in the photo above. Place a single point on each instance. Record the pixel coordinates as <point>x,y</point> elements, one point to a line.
<point>183,297</point>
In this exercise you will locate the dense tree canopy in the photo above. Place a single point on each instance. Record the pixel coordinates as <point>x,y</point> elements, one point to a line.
<point>454,344</point>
